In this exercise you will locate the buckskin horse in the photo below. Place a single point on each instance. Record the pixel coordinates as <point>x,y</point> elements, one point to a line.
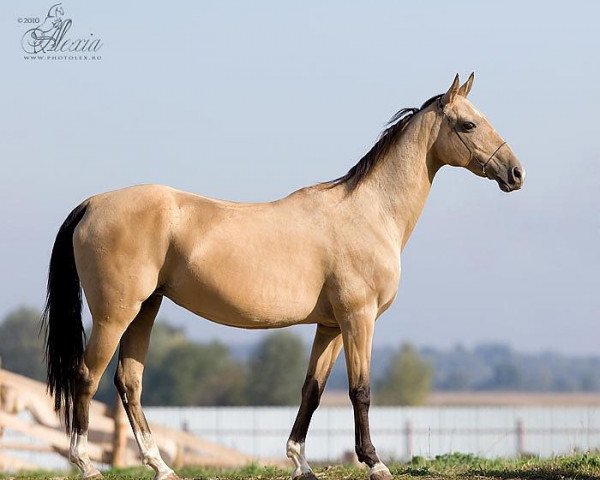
<point>328,254</point>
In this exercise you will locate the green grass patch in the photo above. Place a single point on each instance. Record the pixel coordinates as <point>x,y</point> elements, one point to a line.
<point>456,466</point>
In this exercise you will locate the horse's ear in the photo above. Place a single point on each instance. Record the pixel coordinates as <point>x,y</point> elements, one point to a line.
<point>466,88</point>
<point>450,95</point>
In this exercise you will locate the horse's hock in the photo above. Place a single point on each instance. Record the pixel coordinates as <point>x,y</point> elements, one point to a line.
<point>27,409</point>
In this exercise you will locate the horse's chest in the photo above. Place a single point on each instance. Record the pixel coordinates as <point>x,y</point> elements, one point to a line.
<point>368,278</point>
<point>387,285</point>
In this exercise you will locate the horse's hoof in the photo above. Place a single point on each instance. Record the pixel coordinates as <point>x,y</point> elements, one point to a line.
<point>306,476</point>
<point>170,476</point>
<point>381,475</point>
<point>93,476</point>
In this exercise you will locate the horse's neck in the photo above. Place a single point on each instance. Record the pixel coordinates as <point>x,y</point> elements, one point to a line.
<point>401,181</point>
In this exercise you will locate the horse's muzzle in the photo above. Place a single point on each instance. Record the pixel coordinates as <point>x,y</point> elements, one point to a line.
<point>513,180</point>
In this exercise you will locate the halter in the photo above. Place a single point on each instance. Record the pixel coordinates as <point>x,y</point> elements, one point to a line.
<point>481,164</point>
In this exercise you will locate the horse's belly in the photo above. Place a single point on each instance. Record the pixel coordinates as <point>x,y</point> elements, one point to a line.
<point>250,312</point>
<point>249,297</point>
<point>226,314</point>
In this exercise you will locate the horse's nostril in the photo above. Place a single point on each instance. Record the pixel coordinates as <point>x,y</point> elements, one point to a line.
<point>517,173</point>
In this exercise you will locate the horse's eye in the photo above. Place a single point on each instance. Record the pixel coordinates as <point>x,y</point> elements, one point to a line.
<point>468,126</point>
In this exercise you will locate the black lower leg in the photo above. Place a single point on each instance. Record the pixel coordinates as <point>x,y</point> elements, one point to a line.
<point>311,393</point>
<point>361,400</point>
<point>81,400</point>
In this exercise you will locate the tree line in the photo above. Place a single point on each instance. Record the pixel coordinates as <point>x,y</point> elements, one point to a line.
<point>498,367</point>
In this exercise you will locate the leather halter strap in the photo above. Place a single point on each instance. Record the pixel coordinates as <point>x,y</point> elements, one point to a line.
<point>481,164</point>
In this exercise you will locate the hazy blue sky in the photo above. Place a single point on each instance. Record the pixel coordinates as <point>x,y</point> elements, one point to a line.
<point>251,100</point>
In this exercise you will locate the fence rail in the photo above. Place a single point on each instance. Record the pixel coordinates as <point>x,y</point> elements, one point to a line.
<point>32,435</point>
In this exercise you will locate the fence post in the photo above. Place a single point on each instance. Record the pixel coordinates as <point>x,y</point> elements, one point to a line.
<point>520,432</point>
<point>185,426</point>
<point>408,439</point>
<point>119,434</point>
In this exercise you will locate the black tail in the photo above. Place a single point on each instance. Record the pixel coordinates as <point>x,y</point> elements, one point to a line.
<point>65,336</point>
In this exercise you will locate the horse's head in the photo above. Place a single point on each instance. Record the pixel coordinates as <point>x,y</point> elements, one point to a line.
<point>55,11</point>
<point>467,139</point>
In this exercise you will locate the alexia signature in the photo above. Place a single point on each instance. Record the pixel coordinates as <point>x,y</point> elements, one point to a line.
<point>51,36</point>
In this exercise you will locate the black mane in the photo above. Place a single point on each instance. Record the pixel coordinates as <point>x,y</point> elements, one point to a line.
<point>388,137</point>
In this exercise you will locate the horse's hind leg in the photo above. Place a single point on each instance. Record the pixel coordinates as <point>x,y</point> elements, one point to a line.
<point>326,348</point>
<point>128,379</point>
<point>98,352</point>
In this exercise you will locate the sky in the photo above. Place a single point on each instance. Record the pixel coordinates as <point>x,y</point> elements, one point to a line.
<point>250,101</point>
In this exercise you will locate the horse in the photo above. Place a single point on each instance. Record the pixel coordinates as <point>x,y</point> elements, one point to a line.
<point>327,254</point>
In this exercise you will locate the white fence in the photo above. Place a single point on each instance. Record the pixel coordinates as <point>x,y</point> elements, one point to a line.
<point>398,433</point>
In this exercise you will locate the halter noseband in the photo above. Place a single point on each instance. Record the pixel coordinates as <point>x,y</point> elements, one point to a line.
<point>481,164</point>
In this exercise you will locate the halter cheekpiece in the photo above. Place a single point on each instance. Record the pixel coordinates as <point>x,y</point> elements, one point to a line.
<point>481,164</point>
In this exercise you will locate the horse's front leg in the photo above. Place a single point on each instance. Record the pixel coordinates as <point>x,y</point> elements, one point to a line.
<point>357,331</point>
<point>326,348</point>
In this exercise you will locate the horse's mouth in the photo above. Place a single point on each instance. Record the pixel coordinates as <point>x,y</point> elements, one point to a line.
<point>505,187</point>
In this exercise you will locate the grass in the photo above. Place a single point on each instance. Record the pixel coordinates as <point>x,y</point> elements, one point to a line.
<point>455,466</point>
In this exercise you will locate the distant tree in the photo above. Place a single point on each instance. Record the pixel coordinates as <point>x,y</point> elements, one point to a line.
<point>163,339</point>
<point>189,374</point>
<point>494,353</point>
<point>506,376</point>
<point>276,370</point>
<point>407,381</point>
<point>22,343</point>
<point>457,380</point>
<point>589,382</point>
